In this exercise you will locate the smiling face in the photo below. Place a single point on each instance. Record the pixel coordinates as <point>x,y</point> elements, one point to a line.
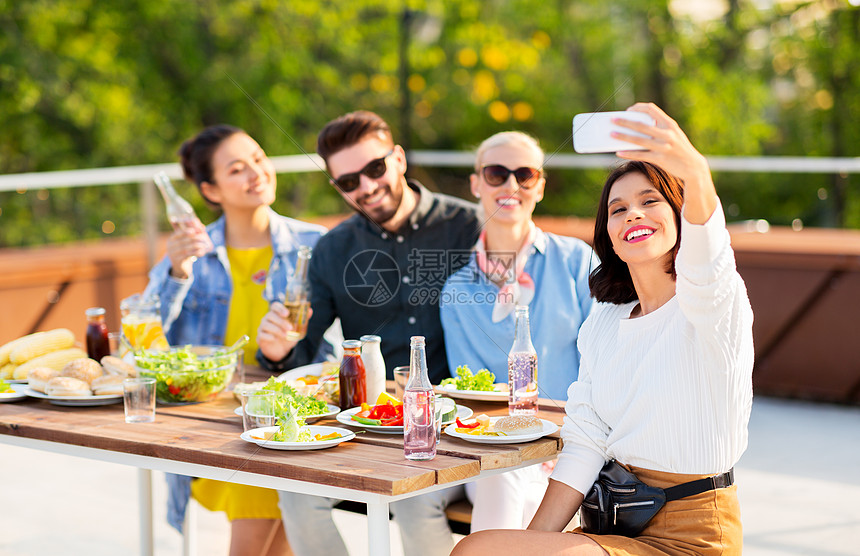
<point>509,202</point>
<point>377,198</point>
<point>243,177</point>
<point>641,224</point>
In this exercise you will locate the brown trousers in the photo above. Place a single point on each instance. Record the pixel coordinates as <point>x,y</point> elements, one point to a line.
<point>706,524</point>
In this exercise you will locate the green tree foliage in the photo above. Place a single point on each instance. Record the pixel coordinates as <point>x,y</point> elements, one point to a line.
<point>94,84</point>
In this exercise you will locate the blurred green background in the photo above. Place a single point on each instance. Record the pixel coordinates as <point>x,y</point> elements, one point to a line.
<point>90,84</point>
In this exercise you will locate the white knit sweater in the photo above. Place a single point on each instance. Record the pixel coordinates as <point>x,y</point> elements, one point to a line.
<point>670,390</point>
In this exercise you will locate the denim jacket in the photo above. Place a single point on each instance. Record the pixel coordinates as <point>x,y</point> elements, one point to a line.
<point>194,310</point>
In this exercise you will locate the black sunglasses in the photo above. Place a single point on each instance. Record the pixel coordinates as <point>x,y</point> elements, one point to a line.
<point>373,170</point>
<point>496,175</point>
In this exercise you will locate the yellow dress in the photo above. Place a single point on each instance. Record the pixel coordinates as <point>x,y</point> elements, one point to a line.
<point>248,269</point>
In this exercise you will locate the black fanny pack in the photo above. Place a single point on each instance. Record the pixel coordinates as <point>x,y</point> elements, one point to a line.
<point>620,504</point>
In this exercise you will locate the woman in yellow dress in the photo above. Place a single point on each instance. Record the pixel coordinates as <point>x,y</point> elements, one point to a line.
<point>211,284</point>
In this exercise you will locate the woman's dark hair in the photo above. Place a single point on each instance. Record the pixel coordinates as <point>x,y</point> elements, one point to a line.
<point>195,154</point>
<point>611,281</point>
<point>348,130</point>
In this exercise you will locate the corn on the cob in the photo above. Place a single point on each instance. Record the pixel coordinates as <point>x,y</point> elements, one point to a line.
<point>55,360</point>
<point>7,371</point>
<point>7,348</point>
<point>40,343</point>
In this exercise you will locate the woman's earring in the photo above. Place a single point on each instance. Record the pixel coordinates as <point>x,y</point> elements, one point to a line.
<point>477,195</point>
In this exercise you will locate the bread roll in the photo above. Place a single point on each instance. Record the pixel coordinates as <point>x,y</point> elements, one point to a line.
<point>38,378</point>
<point>85,369</point>
<point>518,424</point>
<point>107,385</point>
<point>116,366</point>
<point>67,386</point>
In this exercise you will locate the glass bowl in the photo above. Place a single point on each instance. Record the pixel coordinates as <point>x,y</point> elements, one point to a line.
<point>187,374</point>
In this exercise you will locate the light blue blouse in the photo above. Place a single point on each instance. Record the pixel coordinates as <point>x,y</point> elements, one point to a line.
<point>559,267</point>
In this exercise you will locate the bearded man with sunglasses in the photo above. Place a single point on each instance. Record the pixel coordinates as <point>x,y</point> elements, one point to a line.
<point>381,272</point>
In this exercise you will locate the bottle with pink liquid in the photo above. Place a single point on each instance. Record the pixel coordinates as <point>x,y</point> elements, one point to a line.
<point>522,369</point>
<point>419,427</point>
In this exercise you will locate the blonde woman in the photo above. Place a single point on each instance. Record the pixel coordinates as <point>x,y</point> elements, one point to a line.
<point>515,263</point>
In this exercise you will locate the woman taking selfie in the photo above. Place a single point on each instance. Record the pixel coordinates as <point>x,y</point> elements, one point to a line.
<point>211,285</point>
<point>515,263</point>
<point>664,387</point>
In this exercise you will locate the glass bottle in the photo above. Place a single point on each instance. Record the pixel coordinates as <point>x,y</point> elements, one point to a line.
<point>298,296</point>
<point>352,377</point>
<point>522,368</point>
<point>374,366</point>
<point>179,211</point>
<point>419,427</point>
<point>98,343</point>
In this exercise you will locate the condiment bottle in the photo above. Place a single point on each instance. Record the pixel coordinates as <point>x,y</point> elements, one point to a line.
<point>522,368</point>
<point>98,344</point>
<point>374,365</point>
<point>419,427</point>
<point>298,296</point>
<point>352,378</point>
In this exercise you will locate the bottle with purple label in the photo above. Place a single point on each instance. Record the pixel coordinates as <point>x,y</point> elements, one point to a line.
<point>522,368</point>
<point>419,427</point>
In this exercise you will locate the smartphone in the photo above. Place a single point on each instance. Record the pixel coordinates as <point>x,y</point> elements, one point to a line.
<point>591,131</point>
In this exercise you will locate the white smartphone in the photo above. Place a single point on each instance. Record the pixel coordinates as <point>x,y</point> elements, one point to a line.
<point>591,131</point>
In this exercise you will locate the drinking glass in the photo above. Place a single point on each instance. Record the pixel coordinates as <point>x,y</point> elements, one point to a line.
<point>138,397</point>
<point>258,409</point>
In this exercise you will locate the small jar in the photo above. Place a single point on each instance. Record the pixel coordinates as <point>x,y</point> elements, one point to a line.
<point>352,376</point>
<point>98,343</point>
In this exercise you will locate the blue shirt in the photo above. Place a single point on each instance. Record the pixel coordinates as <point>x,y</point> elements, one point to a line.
<point>559,267</point>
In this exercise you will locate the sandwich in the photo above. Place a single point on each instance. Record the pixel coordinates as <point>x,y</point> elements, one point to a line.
<point>107,385</point>
<point>38,377</point>
<point>84,369</point>
<point>518,424</point>
<point>67,386</point>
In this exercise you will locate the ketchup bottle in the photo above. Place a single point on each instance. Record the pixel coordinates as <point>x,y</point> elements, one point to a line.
<point>98,344</point>
<point>352,377</point>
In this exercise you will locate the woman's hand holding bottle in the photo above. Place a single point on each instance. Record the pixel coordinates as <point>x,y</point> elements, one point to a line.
<point>185,244</point>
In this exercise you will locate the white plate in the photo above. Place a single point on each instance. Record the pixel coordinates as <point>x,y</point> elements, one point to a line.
<point>477,395</point>
<point>299,372</point>
<point>17,381</point>
<point>345,417</point>
<point>75,400</point>
<point>332,410</point>
<point>548,428</point>
<point>16,395</point>
<point>312,445</point>
<point>463,412</point>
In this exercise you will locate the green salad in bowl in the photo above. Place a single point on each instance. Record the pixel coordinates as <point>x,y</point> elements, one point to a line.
<point>188,374</point>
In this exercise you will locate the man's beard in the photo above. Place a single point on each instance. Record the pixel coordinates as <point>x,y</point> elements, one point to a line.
<point>383,217</point>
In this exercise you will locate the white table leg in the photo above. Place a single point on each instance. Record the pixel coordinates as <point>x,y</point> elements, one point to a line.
<point>378,529</point>
<point>144,492</point>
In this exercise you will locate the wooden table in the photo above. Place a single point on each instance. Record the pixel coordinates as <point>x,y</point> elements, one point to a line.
<point>202,440</point>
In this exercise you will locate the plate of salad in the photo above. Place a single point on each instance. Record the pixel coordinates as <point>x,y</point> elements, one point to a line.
<point>312,437</point>
<point>331,411</point>
<point>9,393</point>
<point>480,386</point>
<point>288,398</point>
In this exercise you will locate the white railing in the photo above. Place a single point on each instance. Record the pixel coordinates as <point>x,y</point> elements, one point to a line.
<point>142,174</point>
<point>450,159</point>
